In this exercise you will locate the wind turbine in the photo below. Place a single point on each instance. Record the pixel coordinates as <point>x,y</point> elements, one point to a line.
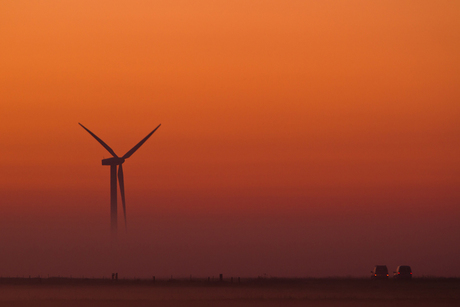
<point>113,162</point>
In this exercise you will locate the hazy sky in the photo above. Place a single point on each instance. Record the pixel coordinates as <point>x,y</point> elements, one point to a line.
<point>298,138</point>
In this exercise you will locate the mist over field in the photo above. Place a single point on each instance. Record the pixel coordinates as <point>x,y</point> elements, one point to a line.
<point>202,242</point>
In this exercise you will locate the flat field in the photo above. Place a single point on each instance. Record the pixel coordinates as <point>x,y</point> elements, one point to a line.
<point>250,292</point>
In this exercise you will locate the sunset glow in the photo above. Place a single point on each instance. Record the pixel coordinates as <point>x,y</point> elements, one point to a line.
<point>298,138</point>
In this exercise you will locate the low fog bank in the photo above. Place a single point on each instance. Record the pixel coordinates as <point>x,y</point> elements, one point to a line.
<point>204,235</point>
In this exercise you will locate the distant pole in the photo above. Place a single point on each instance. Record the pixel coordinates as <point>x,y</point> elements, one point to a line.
<point>221,277</point>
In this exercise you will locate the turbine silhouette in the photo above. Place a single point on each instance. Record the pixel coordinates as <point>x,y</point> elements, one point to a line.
<point>113,162</point>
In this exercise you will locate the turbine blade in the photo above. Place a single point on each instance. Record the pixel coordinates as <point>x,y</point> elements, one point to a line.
<point>133,150</point>
<point>101,142</point>
<point>122,191</point>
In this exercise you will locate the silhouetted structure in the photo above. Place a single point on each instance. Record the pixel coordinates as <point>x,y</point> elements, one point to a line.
<point>113,162</point>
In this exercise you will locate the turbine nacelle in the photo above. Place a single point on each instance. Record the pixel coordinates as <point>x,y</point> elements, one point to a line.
<point>113,161</point>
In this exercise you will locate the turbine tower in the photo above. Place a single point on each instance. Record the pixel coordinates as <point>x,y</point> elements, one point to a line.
<point>113,162</point>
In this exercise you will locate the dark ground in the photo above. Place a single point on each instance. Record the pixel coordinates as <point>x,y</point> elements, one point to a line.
<point>250,292</point>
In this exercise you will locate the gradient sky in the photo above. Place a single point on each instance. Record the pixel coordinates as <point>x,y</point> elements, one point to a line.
<point>298,138</point>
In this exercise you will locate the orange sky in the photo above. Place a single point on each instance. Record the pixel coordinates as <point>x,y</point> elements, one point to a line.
<point>291,131</point>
